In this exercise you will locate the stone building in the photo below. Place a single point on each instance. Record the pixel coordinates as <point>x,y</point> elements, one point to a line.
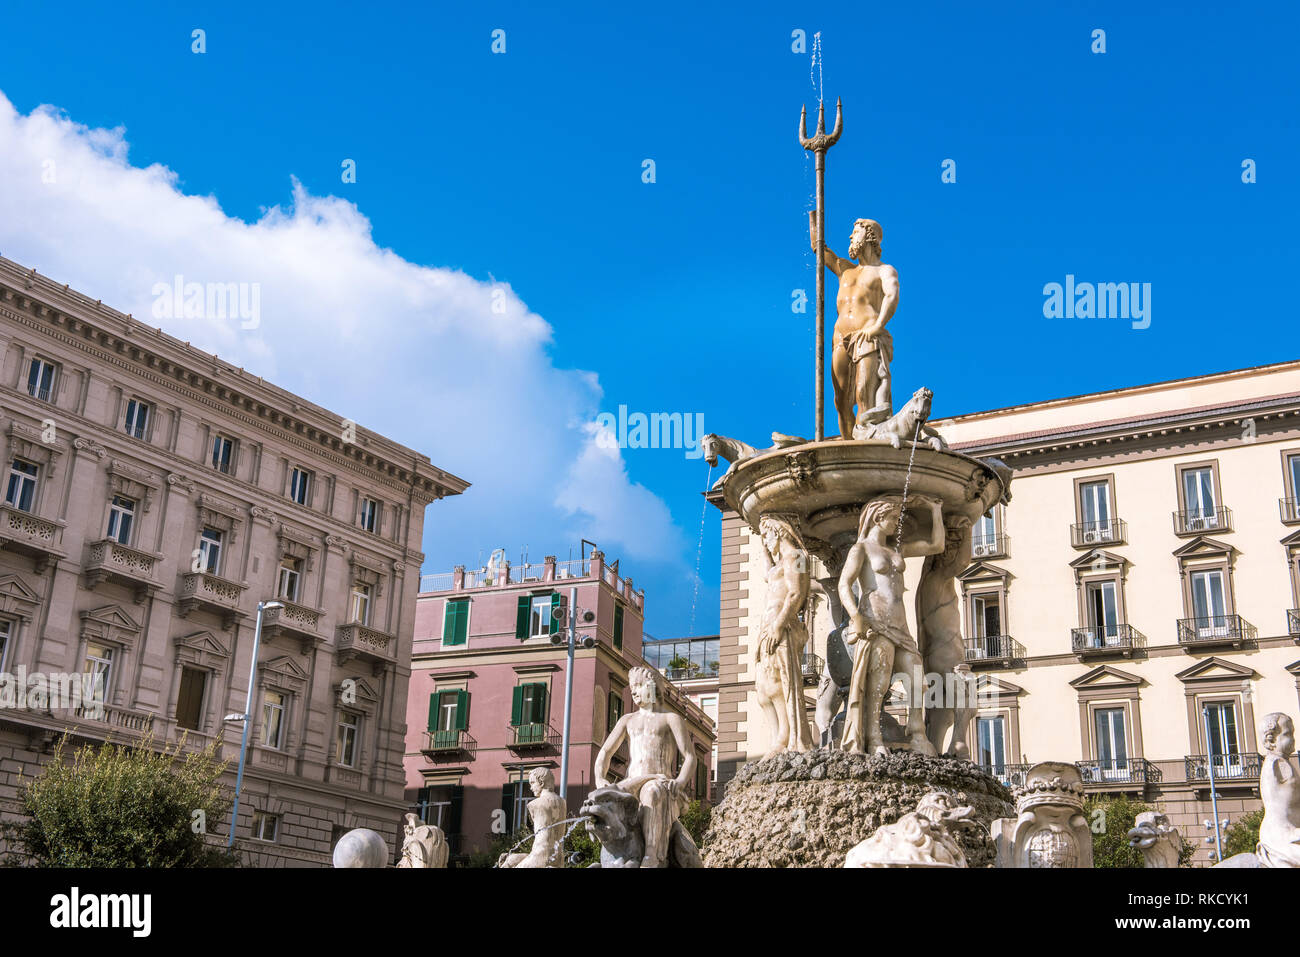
<point>487,691</point>
<point>1133,609</point>
<point>153,495</point>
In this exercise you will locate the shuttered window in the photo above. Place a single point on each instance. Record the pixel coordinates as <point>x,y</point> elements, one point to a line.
<point>448,715</point>
<point>618,626</point>
<point>455,622</point>
<point>529,704</point>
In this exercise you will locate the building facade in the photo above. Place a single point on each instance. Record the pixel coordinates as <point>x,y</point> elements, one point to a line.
<point>154,495</point>
<point>488,689</point>
<point>691,664</point>
<point>1134,607</point>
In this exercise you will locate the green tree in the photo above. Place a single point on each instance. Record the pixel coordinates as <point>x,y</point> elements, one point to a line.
<point>1110,819</point>
<point>1243,834</point>
<point>696,820</point>
<point>122,806</point>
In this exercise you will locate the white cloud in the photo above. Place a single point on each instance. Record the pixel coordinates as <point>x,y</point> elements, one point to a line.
<point>455,367</point>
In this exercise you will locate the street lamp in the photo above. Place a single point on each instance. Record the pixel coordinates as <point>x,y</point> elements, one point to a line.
<point>246,717</point>
<point>571,640</point>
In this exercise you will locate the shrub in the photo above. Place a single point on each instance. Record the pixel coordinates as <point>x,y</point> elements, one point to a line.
<point>1243,834</point>
<point>1118,813</point>
<point>119,806</point>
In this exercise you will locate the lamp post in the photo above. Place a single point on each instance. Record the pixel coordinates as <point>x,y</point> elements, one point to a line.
<point>246,717</point>
<point>1214,798</point>
<point>570,639</point>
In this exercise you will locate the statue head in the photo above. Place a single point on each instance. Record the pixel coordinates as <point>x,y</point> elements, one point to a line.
<point>884,512</point>
<point>412,822</point>
<point>867,236</point>
<point>540,780</point>
<point>777,528</point>
<point>645,689</point>
<point>921,401</point>
<point>1277,734</point>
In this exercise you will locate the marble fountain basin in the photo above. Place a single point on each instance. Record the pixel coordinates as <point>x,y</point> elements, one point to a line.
<point>825,484</point>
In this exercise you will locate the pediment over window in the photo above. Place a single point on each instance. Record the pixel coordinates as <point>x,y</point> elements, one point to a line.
<point>1293,669</point>
<point>981,571</point>
<point>135,483</point>
<point>1292,540</point>
<point>989,686</point>
<point>1106,676</point>
<point>1215,669</point>
<point>28,443</point>
<point>357,693</point>
<point>110,623</point>
<point>202,643</point>
<point>16,598</point>
<point>283,672</point>
<point>1099,560</point>
<point>1202,547</point>
<point>219,513</point>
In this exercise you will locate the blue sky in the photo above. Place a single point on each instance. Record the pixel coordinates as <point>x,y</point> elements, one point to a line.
<point>479,171</point>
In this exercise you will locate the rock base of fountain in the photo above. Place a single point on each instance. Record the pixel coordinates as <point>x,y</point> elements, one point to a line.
<point>809,809</point>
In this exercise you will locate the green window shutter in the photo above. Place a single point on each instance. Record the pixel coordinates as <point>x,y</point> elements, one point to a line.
<point>521,617</point>
<point>462,710</point>
<point>508,805</point>
<point>517,706</point>
<point>451,623</point>
<point>555,612</point>
<point>540,710</point>
<point>618,627</point>
<point>433,711</point>
<point>451,823</point>
<point>462,622</point>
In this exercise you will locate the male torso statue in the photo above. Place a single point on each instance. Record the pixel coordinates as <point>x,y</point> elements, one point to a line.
<point>548,811</point>
<point>783,637</point>
<point>1279,832</point>
<point>862,349</point>
<point>655,739</point>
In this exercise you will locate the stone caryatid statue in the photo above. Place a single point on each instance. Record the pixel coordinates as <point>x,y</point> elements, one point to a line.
<point>655,740</point>
<point>1049,829</point>
<point>1157,839</point>
<point>878,620</point>
<point>548,811</point>
<point>423,845</point>
<point>783,636</point>
<point>923,838</point>
<point>862,349</point>
<point>1279,831</point>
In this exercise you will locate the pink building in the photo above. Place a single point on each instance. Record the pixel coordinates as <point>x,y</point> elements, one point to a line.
<point>486,701</point>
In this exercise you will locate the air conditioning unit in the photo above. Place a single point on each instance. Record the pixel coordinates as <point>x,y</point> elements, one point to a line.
<point>1092,535</point>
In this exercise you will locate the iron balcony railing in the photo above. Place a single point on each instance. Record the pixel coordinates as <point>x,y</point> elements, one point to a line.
<point>1106,531</point>
<point>812,668</point>
<point>1215,629</point>
<point>988,546</point>
<point>1099,639</point>
<point>1290,509</point>
<point>534,735</point>
<point>993,648</point>
<point>1293,622</point>
<point>449,742</point>
<point>1012,775</point>
<point>1194,521</point>
<point>1227,767</point>
<point>1110,771</point>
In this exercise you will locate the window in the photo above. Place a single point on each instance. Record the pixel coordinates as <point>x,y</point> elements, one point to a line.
<point>618,626</point>
<point>615,708</point>
<point>984,536</point>
<point>1094,511</point>
<point>455,622</point>
<point>40,380</point>
<point>369,518</point>
<point>266,827</point>
<point>361,603</point>
<point>6,629</point>
<point>537,615</point>
<point>528,707</point>
<point>514,801</point>
<point>986,625</point>
<point>1209,603</point>
<point>286,585</point>
<point>1198,496</point>
<point>448,716</point>
<point>440,805</point>
<point>1293,475</point>
<point>300,485</point>
<point>137,418</point>
<point>1103,612</point>
<point>273,708</point>
<point>346,745</point>
<point>189,702</point>
<point>121,514</point>
<point>21,493</point>
<point>1221,730</point>
<point>991,743</point>
<point>540,620</point>
<point>99,665</point>
<point>1112,747</point>
<point>223,453</point>
<point>210,551</point>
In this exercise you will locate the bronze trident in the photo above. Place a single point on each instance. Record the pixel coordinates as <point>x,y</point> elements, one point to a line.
<point>819,144</point>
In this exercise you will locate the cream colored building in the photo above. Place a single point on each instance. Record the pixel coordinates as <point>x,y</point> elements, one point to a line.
<point>1134,607</point>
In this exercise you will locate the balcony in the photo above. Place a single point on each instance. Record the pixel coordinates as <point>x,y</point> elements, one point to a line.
<point>445,744</point>
<point>1096,641</point>
<point>534,737</point>
<point>811,667</point>
<point>1215,630</point>
<point>41,538</point>
<point>355,640</point>
<point>1293,623</point>
<point>1202,521</point>
<point>210,593</point>
<point>119,719</point>
<point>1012,775</point>
<point>988,546</point>
<point>110,560</point>
<point>993,650</point>
<point>1107,531</point>
<point>294,620</point>
<point>1290,510</point>
<point>1228,768</point>
<point>1118,774</point>
<point>691,671</point>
